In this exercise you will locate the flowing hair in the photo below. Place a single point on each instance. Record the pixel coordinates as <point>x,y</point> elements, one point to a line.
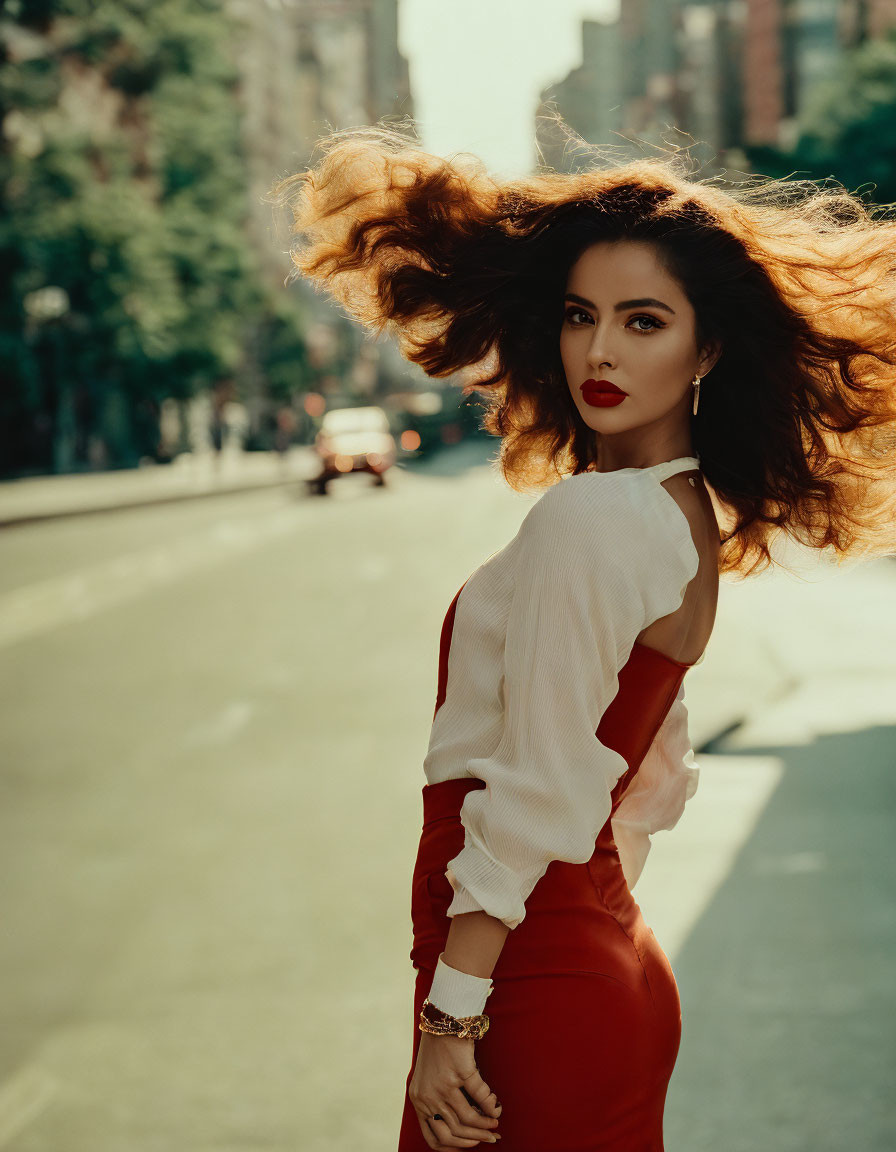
<point>796,426</point>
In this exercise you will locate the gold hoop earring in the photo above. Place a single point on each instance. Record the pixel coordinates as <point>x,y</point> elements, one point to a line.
<point>696,383</point>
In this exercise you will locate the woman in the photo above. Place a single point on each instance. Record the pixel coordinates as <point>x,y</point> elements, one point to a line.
<point>660,352</point>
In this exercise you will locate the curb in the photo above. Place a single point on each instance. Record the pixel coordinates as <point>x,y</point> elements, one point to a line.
<point>13,521</point>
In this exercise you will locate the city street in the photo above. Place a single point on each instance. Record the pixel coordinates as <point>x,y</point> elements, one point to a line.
<point>215,713</point>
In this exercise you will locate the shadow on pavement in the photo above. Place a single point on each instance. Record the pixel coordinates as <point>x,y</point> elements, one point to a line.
<point>786,980</point>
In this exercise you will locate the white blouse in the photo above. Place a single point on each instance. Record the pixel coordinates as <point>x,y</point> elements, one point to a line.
<point>597,558</point>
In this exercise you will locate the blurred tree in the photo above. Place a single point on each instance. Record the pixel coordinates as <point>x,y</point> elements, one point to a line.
<point>125,274</point>
<point>847,131</point>
<point>283,351</point>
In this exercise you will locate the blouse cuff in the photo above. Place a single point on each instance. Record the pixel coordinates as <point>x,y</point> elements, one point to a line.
<point>493,887</point>
<point>463,901</point>
<point>458,993</point>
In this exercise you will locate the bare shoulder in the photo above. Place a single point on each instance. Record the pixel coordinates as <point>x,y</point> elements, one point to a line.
<point>695,503</point>
<point>684,633</point>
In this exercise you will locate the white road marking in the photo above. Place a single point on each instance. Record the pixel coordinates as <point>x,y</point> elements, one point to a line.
<point>224,727</point>
<point>40,607</point>
<point>792,863</point>
<point>22,1098</point>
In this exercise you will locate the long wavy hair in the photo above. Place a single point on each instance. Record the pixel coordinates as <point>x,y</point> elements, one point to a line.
<point>796,424</point>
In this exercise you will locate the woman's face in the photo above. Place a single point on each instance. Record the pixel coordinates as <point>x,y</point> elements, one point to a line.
<point>628,322</point>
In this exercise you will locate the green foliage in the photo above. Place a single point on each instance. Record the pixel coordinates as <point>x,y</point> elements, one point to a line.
<point>123,179</point>
<point>847,132</point>
<point>285,364</point>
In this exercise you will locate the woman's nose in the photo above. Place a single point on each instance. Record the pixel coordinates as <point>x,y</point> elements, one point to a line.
<point>600,350</point>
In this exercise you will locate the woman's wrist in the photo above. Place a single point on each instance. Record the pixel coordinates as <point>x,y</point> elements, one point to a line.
<point>458,993</point>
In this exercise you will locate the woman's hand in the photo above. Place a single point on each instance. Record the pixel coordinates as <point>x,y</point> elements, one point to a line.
<point>446,1083</point>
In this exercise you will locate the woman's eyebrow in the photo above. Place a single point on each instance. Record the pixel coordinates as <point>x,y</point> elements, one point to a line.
<point>643,302</point>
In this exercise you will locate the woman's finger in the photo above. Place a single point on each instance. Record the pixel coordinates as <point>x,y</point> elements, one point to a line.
<point>476,1088</point>
<point>491,1107</point>
<point>428,1134</point>
<point>443,1137</point>
<point>469,1114</point>
<point>461,1130</point>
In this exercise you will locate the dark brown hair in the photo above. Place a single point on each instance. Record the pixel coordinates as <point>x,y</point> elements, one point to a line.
<point>796,425</point>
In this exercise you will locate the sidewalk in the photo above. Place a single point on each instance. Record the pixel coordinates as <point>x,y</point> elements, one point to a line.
<point>783,956</point>
<point>189,476</point>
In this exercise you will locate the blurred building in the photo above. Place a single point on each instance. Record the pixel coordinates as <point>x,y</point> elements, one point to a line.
<point>590,97</point>
<point>308,67</point>
<point>726,72</point>
<point>662,63</point>
<point>866,19</point>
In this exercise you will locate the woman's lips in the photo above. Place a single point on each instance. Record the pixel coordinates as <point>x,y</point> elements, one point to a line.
<point>602,394</point>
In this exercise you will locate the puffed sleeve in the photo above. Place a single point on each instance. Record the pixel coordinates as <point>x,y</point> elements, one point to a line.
<point>666,779</point>
<point>579,601</point>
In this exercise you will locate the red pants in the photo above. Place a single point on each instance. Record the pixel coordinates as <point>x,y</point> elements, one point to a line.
<point>585,1019</point>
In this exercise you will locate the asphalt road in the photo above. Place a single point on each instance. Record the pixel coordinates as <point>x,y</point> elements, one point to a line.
<point>214,716</point>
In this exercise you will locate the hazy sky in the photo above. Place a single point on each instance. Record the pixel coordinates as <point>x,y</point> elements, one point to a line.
<point>477,67</point>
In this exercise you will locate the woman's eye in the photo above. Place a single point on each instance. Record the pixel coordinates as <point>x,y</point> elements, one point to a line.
<point>652,321</point>
<point>578,317</point>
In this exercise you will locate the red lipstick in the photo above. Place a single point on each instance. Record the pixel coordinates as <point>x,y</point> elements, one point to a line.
<point>602,393</point>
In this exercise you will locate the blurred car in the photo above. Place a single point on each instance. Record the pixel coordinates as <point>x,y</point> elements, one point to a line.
<point>353,440</point>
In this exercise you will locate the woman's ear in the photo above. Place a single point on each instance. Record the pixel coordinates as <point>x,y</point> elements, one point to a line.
<point>709,358</point>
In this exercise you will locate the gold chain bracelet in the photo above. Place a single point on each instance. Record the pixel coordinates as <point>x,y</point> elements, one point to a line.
<point>439,1023</point>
